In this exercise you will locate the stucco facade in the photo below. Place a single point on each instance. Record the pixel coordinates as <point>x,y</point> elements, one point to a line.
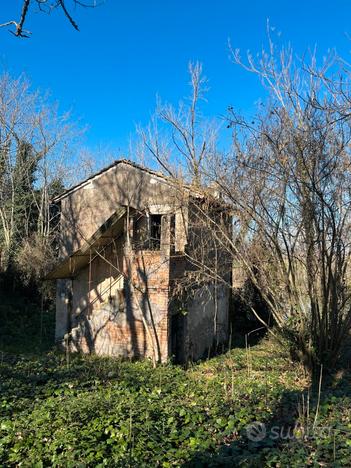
<point>123,236</point>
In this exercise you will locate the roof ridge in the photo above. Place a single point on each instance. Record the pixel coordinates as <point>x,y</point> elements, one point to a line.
<point>107,168</point>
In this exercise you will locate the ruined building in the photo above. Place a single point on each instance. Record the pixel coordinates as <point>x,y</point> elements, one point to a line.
<point>124,276</point>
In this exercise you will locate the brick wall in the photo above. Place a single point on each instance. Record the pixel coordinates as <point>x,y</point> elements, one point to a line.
<point>140,327</point>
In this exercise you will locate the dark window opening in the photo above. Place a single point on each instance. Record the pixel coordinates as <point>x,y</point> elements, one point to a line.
<point>155,232</point>
<point>147,232</point>
<point>140,234</point>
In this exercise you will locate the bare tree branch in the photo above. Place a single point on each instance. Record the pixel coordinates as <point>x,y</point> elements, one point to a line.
<point>49,6</point>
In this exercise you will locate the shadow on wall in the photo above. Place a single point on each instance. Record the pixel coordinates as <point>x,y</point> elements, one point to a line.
<point>83,212</point>
<point>118,328</point>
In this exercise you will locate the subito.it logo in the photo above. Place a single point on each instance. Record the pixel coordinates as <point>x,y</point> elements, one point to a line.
<point>256,431</point>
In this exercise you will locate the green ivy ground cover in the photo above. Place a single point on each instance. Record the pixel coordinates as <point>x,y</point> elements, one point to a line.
<point>104,412</point>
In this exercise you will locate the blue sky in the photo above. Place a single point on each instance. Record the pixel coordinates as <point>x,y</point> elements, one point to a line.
<point>129,52</point>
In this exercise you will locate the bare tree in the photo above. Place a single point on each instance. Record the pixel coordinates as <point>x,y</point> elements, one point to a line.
<point>184,144</point>
<point>34,139</point>
<point>46,6</point>
<point>288,180</point>
<point>180,140</point>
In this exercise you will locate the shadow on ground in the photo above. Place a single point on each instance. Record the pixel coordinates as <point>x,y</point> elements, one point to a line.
<point>308,428</point>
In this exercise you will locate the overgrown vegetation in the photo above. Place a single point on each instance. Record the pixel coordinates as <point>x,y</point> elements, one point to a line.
<point>59,410</point>
<point>33,139</point>
<point>286,180</point>
<point>36,148</point>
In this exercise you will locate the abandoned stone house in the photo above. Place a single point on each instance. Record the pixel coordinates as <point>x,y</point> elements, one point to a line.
<point>123,240</point>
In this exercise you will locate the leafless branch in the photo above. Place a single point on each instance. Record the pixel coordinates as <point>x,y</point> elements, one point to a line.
<point>46,6</point>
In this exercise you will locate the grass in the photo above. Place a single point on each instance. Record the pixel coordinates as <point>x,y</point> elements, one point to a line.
<point>90,411</point>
